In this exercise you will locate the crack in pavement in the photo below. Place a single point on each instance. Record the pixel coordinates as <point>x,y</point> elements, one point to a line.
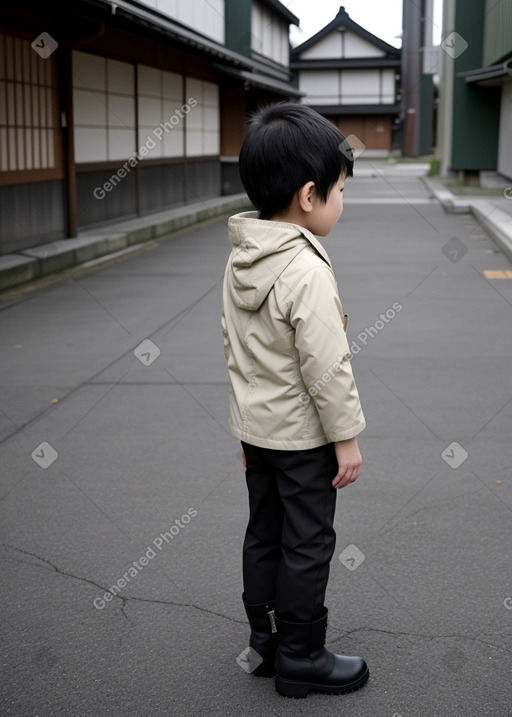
<point>124,598</point>
<point>424,636</point>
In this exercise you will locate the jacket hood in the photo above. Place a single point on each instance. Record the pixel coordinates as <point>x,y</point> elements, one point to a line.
<point>260,252</point>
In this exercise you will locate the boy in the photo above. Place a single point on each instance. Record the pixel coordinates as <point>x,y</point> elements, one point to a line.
<point>294,404</point>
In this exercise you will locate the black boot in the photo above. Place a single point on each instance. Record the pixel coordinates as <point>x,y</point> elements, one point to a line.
<point>263,638</point>
<point>303,663</point>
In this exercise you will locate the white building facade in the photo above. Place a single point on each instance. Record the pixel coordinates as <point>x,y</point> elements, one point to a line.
<point>350,76</point>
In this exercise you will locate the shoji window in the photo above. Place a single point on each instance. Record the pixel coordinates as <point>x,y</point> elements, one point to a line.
<point>29,132</point>
<point>203,126</point>
<point>104,108</point>
<point>160,98</point>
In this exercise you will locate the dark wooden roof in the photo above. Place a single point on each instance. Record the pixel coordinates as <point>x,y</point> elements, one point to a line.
<point>355,63</point>
<point>362,109</point>
<point>281,10</point>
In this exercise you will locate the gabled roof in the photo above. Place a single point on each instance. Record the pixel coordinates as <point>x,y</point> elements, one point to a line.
<point>281,10</point>
<point>342,19</point>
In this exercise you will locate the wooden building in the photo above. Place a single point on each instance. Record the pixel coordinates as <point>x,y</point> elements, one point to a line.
<point>351,77</point>
<point>114,109</point>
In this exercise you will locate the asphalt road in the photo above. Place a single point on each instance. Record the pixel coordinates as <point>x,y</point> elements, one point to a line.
<point>146,489</point>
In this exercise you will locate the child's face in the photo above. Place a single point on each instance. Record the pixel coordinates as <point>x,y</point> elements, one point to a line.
<point>324,216</point>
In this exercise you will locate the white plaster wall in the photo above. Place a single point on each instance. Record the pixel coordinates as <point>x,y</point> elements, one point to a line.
<point>321,86</point>
<point>326,49</point>
<point>360,87</point>
<point>341,45</point>
<point>269,34</point>
<point>355,46</point>
<point>204,17</point>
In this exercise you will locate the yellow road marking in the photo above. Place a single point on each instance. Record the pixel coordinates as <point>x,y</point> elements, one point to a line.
<point>499,274</point>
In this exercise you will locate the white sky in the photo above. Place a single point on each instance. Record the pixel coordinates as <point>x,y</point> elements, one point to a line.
<point>382,18</point>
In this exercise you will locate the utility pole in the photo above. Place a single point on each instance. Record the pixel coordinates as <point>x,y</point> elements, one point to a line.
<point>417,72</point>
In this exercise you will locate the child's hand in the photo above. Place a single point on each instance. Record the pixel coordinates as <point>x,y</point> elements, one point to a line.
<point>349,462</point>
<point>244,461</point>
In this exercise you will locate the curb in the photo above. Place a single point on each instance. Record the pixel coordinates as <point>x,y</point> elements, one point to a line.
<point>40,261</point>
<point>450,203</point>
<point>495,221</point>
<point>375,169</point>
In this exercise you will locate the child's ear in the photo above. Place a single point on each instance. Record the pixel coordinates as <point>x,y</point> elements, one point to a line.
<point>305,196</point>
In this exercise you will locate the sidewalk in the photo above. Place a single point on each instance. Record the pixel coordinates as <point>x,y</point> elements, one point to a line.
<point>389,168</point>
<point>110,240</point>
<point>493,214</point>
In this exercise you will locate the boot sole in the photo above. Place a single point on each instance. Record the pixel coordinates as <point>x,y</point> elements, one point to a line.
<point>299,690</point>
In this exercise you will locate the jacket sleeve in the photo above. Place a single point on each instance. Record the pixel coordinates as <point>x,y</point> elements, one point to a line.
<point>316,315</point>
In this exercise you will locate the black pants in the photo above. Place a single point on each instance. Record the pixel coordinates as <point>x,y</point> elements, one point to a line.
<point>290,537</point>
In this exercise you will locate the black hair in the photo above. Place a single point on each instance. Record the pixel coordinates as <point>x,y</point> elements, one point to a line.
<point>286,146</point>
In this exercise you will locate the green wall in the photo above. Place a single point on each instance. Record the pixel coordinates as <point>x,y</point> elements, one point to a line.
<point>238,26</point>
<point>498,31</point>
<point>475,109</point>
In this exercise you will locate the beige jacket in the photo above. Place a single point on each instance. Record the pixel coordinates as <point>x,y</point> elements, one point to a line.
<point>292,386</point>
